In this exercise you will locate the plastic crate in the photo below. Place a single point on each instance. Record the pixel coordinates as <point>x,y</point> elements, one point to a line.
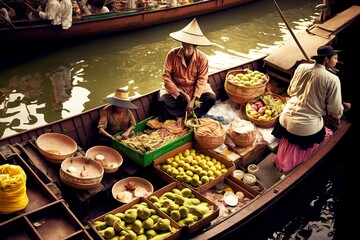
<point>146,158</point>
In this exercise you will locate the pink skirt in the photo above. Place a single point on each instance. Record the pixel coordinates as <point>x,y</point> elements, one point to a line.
<point>290,155</point>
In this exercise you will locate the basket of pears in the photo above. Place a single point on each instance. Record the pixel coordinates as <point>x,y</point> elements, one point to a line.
<point>136,220</point>
<point>244,85</point>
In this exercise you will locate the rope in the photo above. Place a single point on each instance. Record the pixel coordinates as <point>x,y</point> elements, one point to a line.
<point>13,195</point>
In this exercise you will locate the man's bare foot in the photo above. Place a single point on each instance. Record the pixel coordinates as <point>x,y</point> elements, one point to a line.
<point>179,121</point>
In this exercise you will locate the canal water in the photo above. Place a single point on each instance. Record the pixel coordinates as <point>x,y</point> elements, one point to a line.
<point>55,82</point>
<point>89,70</point>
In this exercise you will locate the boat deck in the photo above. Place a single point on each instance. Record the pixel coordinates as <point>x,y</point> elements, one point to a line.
<point>317,35</point>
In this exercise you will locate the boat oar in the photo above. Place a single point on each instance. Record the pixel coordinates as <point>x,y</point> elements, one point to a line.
<point>8,22</point>
<point>291,32</point>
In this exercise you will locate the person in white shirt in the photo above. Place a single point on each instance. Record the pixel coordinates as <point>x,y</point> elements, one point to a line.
<point>66,13</point>
<point>52,12</point>
<point>315,95</point>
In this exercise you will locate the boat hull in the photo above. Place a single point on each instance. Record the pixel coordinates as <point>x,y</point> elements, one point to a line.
<point>109,23</point>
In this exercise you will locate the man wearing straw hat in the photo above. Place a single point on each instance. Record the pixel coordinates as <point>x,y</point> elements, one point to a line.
<point>315,94</point>
<point>116,116</point>
<point>185,77</point>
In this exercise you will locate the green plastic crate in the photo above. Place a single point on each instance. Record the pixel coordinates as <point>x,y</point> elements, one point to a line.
<point>145,159</point>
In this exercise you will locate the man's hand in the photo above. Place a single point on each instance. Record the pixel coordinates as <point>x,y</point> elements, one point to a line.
<point>190,106</point>
<point>347,106</point>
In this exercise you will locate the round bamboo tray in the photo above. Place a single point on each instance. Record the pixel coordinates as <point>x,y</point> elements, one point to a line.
<point>111,159</point>
<point>56,147</point>
<point>81,172</point>
<point>243,94</point>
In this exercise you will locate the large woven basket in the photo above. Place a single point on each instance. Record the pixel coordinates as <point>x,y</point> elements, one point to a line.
<point>242,94</point>
<point>206,140</point>
<point>263,123</point>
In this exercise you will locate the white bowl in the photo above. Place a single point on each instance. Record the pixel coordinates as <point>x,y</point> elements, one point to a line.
<point>249,179</point>
<point>239,174</point>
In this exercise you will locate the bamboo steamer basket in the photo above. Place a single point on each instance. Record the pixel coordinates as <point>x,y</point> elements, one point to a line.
<point>242,94</point>
<point>263,123</point>
<point>56,147</point>
<point>242,139</point>
<point>71,172</point>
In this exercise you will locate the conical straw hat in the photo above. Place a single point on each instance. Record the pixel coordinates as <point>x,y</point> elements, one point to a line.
<point>120,99</point>
<point>191,34</point>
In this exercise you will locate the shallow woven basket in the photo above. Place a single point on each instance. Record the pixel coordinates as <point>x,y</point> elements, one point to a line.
<point>56,147</point>
<point>75,180</point>
<point>263,123</point>
<point>243,94</point>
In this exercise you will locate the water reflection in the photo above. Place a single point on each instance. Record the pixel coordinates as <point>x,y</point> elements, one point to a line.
<point>64,81</point>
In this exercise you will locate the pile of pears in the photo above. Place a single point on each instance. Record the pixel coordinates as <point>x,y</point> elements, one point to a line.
<point>193,167</point>
<point>248,78</point>
<point>182,206</point>
<point>140,222</point>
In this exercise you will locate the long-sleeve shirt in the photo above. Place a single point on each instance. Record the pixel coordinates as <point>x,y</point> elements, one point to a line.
<point>192,78</point>
<point>314,92</point>
<point>52,12</point>
<point>66,13</point>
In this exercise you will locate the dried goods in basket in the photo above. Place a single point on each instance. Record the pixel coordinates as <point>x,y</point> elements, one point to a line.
<point>209,133</point>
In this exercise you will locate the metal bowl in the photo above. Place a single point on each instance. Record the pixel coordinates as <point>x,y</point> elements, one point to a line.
<point>56,147</point>
<point>110,159</point>
<point>81,172</point>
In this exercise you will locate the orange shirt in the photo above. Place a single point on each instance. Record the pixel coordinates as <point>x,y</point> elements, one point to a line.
<point>192,79</point>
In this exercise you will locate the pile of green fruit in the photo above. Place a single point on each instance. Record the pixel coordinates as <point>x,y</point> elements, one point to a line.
<point>248,78</point>
<point>193,167</point>
<point>137,223</point>
<point>182,206</point>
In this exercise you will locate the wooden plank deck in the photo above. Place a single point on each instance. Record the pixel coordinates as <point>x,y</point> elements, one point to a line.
<point>289,55</point>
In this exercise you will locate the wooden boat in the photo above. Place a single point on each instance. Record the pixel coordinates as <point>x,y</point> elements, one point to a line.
<point>82,128</point>
<point>25,32</point>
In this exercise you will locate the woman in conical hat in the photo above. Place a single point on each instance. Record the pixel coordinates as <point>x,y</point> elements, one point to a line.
<point>185,76</point>
<point>116,116</point>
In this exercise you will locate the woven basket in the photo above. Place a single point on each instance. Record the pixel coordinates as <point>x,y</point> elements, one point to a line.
<point>263,123</point>
<point>206,140</point>
<point>242,94</point>
<point>242,139</point>
<point>209,142</point>
<point>75,179</point>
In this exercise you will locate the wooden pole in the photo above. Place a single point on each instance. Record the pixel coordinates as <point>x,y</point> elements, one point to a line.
<point>8,22</point>
<point>291,32</point>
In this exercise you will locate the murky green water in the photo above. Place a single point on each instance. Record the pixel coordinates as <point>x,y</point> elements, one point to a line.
<point>66,81</point>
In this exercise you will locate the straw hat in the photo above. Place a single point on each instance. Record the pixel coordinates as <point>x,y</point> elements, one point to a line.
<point>324,51</point>
<point>120,99</point>
<point>191,34</point>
